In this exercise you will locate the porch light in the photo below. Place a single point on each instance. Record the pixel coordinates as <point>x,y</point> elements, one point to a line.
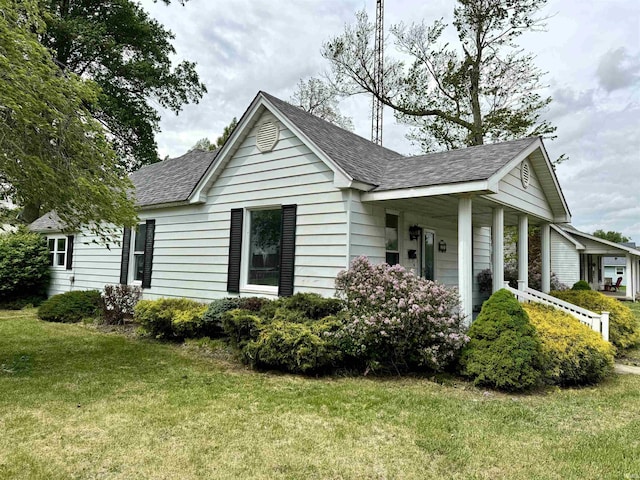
<point>414,232</point>
<point>442,246</point>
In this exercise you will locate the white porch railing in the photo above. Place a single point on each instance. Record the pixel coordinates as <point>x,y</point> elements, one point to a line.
<point>597,321</point>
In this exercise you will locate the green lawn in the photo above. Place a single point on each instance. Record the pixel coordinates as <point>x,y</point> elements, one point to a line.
<point>77,403</point>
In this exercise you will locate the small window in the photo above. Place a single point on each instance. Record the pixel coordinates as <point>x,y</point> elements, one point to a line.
<point>264,247</point>
<point>138,252</point>
<point>57,251</point>
<point>392,239</point>
<point>619,271</point>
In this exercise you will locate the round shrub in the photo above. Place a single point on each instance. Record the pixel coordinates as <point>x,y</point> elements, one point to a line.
<point>397,320</point>
<point>70,307</point>
<point>213,316</point>
<point>504,350</point>
<point>253,304</point>
<point>573,354</point>
<point>624,326</point>
<point>293,347</point>
<point>24,268</point>
<point>170,318</point>
<point>581,285</point>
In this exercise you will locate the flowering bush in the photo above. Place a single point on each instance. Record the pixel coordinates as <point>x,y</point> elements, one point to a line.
<point>118,302</point>
<point>396,319</point>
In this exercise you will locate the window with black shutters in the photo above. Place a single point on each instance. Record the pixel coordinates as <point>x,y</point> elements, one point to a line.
<point>57,251</point>
<point>263,266</point>
<point>138,251</point>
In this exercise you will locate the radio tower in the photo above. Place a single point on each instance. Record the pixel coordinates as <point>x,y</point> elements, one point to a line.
<point>378,70</point>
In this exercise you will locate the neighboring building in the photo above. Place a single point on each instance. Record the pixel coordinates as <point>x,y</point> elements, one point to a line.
<point>616,267</point>
<point>290,200</point>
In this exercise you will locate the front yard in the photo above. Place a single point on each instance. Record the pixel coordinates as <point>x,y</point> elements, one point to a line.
<point>78,403</point>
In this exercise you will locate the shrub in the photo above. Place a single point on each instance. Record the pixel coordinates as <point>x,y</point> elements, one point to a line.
<point>624,327</point>
<point>253,304</point>
<point>24,267</point>
<point>170,318</point>
<point>580,285</point>
<point>573,354</point>
<point>70,307</point>
<point>118,302</point>
<point>213,316</point>
<point>504,350</point>
<point>241,326</point>
<point>22,302</point>
<point>293,347</point>
<point>396,319</point>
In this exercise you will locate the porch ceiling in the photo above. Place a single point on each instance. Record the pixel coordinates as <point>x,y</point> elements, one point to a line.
<point>446,207</point>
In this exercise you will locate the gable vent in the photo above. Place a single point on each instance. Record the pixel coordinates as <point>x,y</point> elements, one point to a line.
<point>525,174</point>
<point>267,136</point>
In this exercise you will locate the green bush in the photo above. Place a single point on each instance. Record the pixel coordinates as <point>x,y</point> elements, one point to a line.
<point>301,307</point>
<point>70,307</point>
<point>581,285</point>
<point>22,302</point>
<point>504,350</point>
<point>24,268</point>
<point>213,316</point>
<point>253,304</point>
<point>573,354</point>
<point>294,347</point>
<point>624,327</point>
<point>241,326</point>
<point>170,318</point>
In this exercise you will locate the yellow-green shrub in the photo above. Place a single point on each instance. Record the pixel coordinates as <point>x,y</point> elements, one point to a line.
<point>624,327</point>
<point>170,318</point>
<point>573,354</point>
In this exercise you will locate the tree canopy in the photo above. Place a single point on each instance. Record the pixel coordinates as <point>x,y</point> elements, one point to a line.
<point>612,236</point>
<point>485,89</point>
<point>128,54</point>
<point>206,144</point>
<point>320,99</point>
<point>53,152</point>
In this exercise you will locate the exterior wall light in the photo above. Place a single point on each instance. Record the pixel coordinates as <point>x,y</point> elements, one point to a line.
<point>442,246</point>
<point>414,232</point>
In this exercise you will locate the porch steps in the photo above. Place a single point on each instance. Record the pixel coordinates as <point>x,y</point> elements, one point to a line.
<point>596,321</point>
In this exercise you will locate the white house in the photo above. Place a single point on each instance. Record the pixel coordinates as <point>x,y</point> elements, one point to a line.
<point>577,255</point>
<point>290,200</point>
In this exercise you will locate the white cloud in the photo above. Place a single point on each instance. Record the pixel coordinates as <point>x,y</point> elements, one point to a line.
<point>617,69</point>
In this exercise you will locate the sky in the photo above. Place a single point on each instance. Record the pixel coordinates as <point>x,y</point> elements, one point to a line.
<point>590,51</point>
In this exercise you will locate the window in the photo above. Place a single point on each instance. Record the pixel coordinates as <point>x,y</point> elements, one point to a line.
<point>265,228</point>
<point>392,240</point>
<point>138,252</point>
<point>429,255</point>
<point>57,251</point>
<point>619,271</point>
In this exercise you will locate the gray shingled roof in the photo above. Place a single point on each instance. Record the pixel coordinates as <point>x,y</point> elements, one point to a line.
<point>171,180</point>
<point>388,170</point>
<point>49,222</point>
<point>464,165</point>
<point>363,160</point>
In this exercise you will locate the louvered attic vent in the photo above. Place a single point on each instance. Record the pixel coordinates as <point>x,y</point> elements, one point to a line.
<point>525,174</point>
<point>267,137</point>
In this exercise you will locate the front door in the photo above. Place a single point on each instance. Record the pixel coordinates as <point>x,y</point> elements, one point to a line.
<point>428,261</point>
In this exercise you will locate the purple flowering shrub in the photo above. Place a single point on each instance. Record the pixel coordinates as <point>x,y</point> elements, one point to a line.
<point>396,319</point>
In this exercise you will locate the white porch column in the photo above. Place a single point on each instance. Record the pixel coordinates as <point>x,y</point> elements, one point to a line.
<point>497,238</point>
<point>523,251</point>
<point>465,257</point>
<point>628,280</point>
<point>545,240</point>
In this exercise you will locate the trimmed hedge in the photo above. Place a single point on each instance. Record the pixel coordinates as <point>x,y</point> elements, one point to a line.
<point>624,327</point>
<point>24,268</point>
<point>573,353</point>
<point>581,285</point>
<point>71,306</point>
<point>504,350</point>
<point>171,318</point>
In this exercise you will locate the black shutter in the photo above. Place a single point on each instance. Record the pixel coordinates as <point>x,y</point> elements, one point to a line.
<point>235,251</point>
<point>287,251</point>
<point>124,260</point>
<point>148,254</point>
<point>69,252</point>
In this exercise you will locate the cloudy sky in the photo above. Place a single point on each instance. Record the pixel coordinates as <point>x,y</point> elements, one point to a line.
<point>591,51</point>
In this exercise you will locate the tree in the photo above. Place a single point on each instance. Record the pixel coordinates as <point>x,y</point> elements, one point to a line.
<point>128,54</point>
<point>612,236</point>
<point>53,153</point>
<point>485,90</point>
<point>320,99</point>
<point>206,144</point>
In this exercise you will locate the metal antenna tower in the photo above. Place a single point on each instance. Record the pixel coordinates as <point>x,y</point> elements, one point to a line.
<point>378,70</point>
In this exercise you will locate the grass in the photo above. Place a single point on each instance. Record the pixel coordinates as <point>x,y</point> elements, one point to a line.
<point>78,403</point>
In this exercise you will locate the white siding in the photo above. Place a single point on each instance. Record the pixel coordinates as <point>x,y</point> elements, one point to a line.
<point>531,199</point>
<point>565,259</point>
